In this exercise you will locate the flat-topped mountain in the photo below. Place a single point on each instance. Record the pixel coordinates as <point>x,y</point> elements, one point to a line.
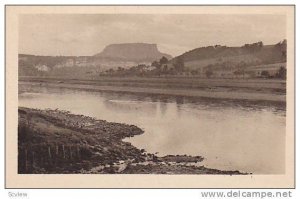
<point>132,52</point>
<point>113,56</point>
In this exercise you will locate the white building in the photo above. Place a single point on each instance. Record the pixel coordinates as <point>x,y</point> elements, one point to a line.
<point>42,68</point>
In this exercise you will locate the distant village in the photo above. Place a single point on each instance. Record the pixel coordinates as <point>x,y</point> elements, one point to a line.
<point>164,68</point>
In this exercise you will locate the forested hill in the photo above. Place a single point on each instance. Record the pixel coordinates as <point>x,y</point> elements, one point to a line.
<point>223,56</point>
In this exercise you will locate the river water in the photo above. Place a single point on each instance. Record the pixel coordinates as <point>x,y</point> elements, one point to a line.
<point>229,135</point>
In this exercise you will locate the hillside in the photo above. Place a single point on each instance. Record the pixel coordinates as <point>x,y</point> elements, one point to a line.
<point>231,58</point>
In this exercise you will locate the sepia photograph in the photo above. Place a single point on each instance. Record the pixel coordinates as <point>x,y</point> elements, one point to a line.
<point>151,91</point>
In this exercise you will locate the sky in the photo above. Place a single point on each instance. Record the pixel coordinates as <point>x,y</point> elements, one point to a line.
<point>88,34</point>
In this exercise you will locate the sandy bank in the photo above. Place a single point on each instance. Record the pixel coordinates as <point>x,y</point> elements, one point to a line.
<point>259,94</point>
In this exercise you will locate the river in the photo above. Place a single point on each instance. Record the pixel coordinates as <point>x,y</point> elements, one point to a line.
<point>229,135</point>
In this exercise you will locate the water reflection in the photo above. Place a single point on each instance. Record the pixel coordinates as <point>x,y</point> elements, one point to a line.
<point>126,105</point>
<point>229,134</point>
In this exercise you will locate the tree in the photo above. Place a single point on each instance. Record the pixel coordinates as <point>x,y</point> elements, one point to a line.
<point>179,64</point>
<point>156,64</point>
<point>284,42</point>
<point>265,73</point>
<point>281,73</point>
<point>165,69</point>
<point>120,69</point>
<point>282,46</point>
<point>163,60</point>
<point>254,46</point>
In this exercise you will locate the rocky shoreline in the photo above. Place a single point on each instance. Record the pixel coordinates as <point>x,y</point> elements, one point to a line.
<point>58,142</point>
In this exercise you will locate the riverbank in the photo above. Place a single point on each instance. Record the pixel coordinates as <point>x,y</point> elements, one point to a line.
<point>54,141</point>
<point>257,90</point>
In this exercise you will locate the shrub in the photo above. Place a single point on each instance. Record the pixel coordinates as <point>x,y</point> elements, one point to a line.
<point>265,73</point>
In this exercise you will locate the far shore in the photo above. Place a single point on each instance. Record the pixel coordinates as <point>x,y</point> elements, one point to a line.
<point>251,90</point>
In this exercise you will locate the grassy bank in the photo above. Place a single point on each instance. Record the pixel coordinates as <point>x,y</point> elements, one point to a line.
<point>53,141</point>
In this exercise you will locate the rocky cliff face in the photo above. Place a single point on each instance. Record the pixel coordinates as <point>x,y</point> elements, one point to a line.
<point>132,52</point>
